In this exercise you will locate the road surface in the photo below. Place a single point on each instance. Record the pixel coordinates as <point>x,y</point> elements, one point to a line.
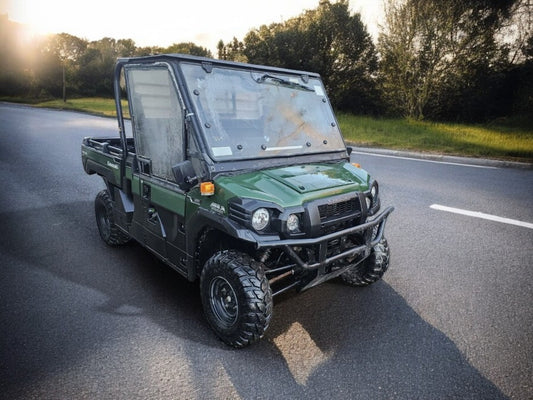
<point>452,317</point>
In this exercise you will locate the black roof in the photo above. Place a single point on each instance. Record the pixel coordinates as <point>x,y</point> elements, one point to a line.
<point>210,61</point>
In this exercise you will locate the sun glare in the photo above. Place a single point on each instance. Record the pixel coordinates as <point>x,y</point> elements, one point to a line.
<point>160,22</point>
<point>28,15</point>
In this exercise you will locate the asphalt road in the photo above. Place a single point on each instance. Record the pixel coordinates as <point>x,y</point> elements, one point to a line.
<point>452,319</point>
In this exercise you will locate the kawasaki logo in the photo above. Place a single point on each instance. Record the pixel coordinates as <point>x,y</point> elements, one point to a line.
<point>220,209</point>
<point>110,164</point>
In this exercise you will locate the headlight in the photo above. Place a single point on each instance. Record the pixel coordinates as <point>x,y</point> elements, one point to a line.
<point>293,223</point>
<point>372,199</point>
<point>260,219</point>
<point>374,190</point>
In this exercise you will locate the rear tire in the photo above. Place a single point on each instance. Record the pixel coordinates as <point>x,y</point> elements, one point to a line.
<point>236,297</point>
<point>372,268</point>
<point>105,220</point>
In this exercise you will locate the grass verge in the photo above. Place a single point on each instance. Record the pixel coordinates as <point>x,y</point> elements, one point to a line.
<point>497,141</point>
<point>94,105</point>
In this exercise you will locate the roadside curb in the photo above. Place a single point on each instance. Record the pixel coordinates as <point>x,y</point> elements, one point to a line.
<point>442,158</point>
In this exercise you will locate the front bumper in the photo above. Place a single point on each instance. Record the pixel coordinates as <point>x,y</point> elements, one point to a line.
<point>320,269</point>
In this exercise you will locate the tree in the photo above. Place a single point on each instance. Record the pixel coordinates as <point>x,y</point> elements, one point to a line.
<point>148,51</point>
<point>125,47</point>
<point>15,58</point>
<point>97,63</point>
<point>232,51</point>
<point>67,49</point>
<point>516,32</point>
<point>45,66</point>
<point>188,48</point>
<point>328,40</point>
<point>437,53</point>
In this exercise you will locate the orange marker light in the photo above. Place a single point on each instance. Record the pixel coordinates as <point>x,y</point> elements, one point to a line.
<point>356,165</point>
<point>207,188</point>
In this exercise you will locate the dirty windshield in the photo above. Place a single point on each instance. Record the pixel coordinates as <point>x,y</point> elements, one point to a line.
<point>247,114</point>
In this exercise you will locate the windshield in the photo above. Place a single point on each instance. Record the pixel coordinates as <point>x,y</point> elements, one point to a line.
<point>247,114</point>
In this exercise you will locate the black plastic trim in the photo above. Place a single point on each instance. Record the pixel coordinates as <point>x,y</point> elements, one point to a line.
<point>322,242</point>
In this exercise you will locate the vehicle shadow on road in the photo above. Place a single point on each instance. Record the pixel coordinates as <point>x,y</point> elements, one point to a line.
<point>368,343</point>
<point>333,341</point>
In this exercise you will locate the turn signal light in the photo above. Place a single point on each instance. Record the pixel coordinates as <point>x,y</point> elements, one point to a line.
<point>207,188</point>
<point>356,165</point>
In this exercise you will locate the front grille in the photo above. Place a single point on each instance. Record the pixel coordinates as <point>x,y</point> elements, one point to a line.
<point>326,229</point>
<point>336,214</point>
<point>339,209</point>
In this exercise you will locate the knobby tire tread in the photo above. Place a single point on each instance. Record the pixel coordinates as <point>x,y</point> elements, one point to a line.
<point>372,269</point>
<point>116,236</point>
<point>255,298</point>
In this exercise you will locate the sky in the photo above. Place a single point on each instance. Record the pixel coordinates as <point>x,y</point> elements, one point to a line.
<point>164,22</point>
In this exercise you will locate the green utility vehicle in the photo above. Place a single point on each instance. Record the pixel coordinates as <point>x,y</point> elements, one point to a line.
<point>236,175</point>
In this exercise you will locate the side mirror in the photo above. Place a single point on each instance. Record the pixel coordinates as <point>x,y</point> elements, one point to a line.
<point>184,174</point>
<point>349,149</point>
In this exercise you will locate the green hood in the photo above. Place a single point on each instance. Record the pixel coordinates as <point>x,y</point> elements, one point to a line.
<point>294,185</point>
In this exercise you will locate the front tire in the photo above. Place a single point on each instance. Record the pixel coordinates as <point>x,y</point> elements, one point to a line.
<point>105,220</point>
<point>372,268</point>
<point>236,297</point>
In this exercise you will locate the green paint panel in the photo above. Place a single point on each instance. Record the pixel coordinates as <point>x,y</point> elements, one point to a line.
<point>167,198</point>
<point>294,185</point>
<point>107,162</point>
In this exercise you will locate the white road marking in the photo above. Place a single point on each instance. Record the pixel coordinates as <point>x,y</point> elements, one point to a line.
<point>424,160</point>
<point>478,214</point>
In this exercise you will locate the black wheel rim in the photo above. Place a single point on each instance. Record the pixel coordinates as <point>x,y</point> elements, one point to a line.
<point>223,302</point>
